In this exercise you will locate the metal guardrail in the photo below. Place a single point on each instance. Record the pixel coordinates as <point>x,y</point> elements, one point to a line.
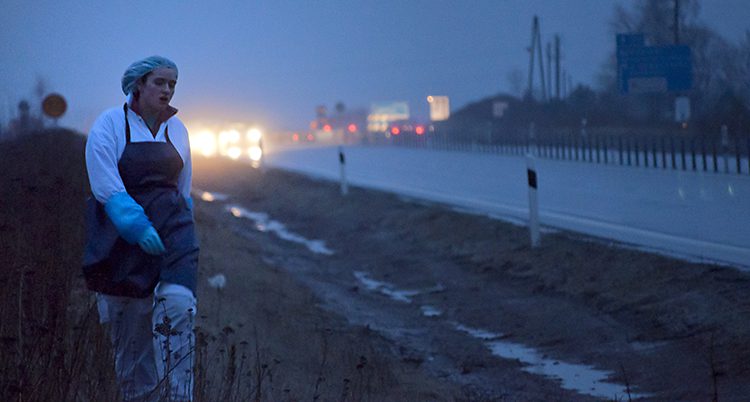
<point>706,154</point>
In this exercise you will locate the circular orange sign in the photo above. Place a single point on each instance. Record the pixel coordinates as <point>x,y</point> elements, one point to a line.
<point>54,105</point>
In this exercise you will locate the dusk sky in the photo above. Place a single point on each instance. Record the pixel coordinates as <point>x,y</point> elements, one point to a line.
<point>272,62</point>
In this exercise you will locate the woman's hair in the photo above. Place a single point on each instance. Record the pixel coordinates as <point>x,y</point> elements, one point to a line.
<point>135,93</point>
<point>140,69</point>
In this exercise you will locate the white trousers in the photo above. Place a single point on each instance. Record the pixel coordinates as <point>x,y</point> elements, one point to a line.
<point>153,342</point>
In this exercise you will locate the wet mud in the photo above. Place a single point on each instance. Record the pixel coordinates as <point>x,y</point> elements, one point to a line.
<point>461,300</point>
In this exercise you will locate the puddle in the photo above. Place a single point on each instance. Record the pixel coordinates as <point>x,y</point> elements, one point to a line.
<point>385,288</point>
<point>264,223</point>
<point>211,197</point>
<point>578,377</point>
<point>430,311</point>
<point>477,333</point>
<point>647,346</point>
<point>391,291</point>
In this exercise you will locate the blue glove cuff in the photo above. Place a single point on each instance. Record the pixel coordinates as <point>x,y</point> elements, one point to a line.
<point>189,202</point>
<point>128,217</point>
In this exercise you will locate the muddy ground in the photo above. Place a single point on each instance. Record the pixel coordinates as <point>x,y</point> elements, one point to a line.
<point>413,295</point>
<point>400,300</point>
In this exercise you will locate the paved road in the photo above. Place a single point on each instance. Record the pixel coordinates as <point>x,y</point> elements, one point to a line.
<point>467,299</point>
<point>692,215</point>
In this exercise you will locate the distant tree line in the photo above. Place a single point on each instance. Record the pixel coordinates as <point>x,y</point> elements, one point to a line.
<point>28,118</point>
<point>720,94</point>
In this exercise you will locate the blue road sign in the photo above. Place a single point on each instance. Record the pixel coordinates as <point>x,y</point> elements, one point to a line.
<point>643,68</point>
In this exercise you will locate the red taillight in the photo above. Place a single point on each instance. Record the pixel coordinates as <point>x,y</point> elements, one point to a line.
<point>419,130</point>
<point>327,128</point>
<point>310,137</point>
<point>295,137</point>
<point>395,130</point>
<point>352,128</point>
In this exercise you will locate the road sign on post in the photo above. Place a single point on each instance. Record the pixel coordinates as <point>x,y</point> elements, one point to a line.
<point>54,106</point>
<point>644,69</point>
<point>681,109</point>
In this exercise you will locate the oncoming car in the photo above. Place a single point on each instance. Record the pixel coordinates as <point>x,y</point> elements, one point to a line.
<point>235,141</point>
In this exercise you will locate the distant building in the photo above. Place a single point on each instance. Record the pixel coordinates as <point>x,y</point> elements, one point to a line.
<point>25,123</point>
<point>382,114</point>
<point>439,108</point>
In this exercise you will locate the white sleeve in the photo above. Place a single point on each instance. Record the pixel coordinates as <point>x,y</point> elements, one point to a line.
<point>101,159</point>
<point>184,181</point>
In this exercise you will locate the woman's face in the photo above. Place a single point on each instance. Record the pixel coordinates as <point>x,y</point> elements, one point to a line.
<point>157,90</point>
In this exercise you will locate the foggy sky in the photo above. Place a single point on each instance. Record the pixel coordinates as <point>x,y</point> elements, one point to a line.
<point>271,62</point>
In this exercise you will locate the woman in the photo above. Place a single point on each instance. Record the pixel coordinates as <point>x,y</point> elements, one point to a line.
<point>141,252</point>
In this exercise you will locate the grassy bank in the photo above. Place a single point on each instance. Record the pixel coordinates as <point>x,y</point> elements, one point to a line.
<point>52,346</point>
<point>275,345</point>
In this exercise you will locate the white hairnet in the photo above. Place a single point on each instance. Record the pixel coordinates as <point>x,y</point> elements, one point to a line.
<point>141,68</point>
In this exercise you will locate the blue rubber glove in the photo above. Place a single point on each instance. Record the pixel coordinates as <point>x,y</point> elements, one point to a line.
<point>150,242</point>
<point>128,217</point>
<point>189,202</point>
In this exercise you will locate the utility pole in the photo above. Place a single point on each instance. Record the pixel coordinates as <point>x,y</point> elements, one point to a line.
<point>530,81</point>
<point>549,70</point>
<point>569,85</point>
<point>676,22</point>
<point>536,45</point>
<point>557,66</point>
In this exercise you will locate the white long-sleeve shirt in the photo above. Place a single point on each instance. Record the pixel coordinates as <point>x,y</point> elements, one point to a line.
<point>106,142</point>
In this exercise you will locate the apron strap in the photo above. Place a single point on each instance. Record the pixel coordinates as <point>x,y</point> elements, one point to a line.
<point>127,125</point>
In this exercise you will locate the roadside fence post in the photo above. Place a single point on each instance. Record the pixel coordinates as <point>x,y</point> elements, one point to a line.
<point>738,156</point>
<point>533,202</point>
<point>342,164</point>
<point>725,146</point>
<point>606,151</point>
<point>692,153</point>
<point>532,147</point>
<point>597,139</point>
<point>584,138</point>
<point>682,154</point>
<point>637,153</point>
<point>627,143</point>
<point>715,158</point>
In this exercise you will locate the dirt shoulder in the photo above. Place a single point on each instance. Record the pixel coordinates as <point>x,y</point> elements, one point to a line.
<point>673,330</point>
<point>290,347</point>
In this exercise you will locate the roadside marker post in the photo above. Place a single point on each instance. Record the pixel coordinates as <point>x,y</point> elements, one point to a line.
<point>261,162</point>
<point>533,202</point>
<point>342,165</point>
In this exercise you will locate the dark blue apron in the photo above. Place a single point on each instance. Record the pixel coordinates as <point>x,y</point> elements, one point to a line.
<point>149,171</point>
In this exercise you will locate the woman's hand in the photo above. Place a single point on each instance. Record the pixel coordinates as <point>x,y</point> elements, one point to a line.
<point>150,242</point>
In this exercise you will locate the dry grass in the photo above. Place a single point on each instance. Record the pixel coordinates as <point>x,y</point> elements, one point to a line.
<point>54,349</point>
<point>52,346</point>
